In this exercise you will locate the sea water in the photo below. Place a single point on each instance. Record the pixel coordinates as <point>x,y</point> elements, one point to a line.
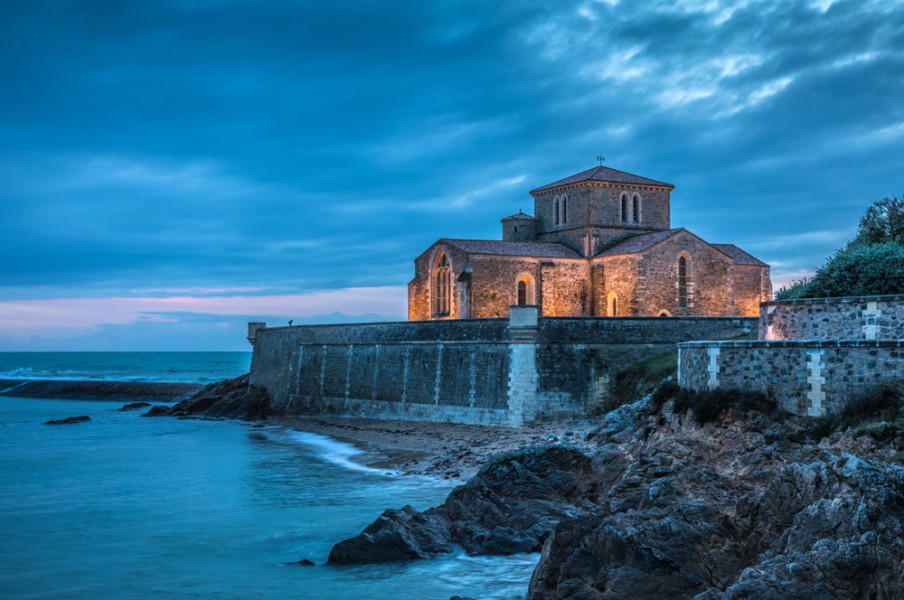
<point>176,367</point>
<point>130,507</point>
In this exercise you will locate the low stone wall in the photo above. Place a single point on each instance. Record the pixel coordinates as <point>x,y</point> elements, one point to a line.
<point>485,371</point>
<point>806,377</point>
<point>854,318</point>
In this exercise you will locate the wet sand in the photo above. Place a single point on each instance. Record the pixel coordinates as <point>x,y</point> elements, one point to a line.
<point>448,450</point>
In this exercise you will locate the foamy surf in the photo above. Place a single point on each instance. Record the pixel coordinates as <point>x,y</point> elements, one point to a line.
<point>335,452</point>
<point>15,387</point>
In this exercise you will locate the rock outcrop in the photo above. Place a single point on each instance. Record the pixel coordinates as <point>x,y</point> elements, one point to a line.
<point>229,399</point>
<point>660,506</point>
<point>98,390</point>
<point>69,420</point>
<point>510,506</point>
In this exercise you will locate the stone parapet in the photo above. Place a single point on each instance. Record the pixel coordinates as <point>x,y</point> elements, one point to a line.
<point>849,318</point>
<point>806,377</point>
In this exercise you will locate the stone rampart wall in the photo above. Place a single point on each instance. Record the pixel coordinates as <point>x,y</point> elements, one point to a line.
<point>487,371</point>
<point>855,318</point>
<point>805,377</point>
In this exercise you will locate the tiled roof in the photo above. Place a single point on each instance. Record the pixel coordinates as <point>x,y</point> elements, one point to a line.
<point>740,257</point>
<point>520,216</point>
<point>502,248</point>
<point>603,174</point>
<point>639,243</point>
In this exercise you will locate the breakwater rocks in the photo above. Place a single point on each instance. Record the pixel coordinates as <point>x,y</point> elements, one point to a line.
<point>98,390</point>
<point>229,399</point>
<point>659,506</point>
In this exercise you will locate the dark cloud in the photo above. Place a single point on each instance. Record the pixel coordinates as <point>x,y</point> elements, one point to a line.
<point>297,146</point>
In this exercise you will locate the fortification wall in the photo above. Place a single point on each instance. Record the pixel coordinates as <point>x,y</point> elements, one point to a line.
<point>485,371</point>
<point>852,318</point>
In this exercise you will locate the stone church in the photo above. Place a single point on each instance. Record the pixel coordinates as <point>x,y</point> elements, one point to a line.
<point>600,243</point>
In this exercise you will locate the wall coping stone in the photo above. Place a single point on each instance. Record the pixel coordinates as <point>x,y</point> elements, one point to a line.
<point>838,300</point>
<point>795,344</point>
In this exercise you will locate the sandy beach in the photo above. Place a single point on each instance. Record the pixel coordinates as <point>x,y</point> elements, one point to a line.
<point>448,450</point>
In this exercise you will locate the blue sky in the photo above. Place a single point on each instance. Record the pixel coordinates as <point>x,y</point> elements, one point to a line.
<point>172,169</point>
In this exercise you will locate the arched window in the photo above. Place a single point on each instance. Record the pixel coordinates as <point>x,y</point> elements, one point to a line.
<point>525,289</point>
<point>624,208</point>
<point>635,212</point>
<point>564,209</point>
<point>442,285</point>
<point>557,210</point>
<point>612,305</point>
<point>682,282</point>
<point>665,313</point>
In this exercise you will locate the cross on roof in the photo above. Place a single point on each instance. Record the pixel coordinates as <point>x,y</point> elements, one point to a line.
<point>599,159</point>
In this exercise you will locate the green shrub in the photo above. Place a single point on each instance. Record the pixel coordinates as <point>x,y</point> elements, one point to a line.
<point>860,270</point>
<point>882,404</point>
<point>708,405</point>
<point>793,291</point>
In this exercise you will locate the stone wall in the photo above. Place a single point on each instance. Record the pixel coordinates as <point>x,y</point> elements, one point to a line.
<point>854,318</point>
<point>805,377</point>
<point>487,371</point>
<point>813,355</point>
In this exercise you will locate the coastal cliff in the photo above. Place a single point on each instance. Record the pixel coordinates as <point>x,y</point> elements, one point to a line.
<point>658,505</point>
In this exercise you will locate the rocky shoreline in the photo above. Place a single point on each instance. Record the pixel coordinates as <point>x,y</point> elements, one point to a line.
<point>645,502</point>
<point>657,505</point>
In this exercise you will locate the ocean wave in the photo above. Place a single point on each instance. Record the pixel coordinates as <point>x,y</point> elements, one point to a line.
<point>15,387</point>
<point>335,452</point>
<point>31,374</point>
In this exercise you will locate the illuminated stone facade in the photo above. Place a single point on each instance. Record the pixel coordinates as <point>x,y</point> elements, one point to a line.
<point>599,243</point>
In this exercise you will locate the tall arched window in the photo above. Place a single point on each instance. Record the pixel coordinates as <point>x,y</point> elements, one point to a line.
<point>442,286</point>
<point>612,305</point>
<point>564,209</point>
<point>525,289</point>
<point>682,282</point>
<point>557,210</point>
<point>624,208</point>
<point>635,205</point>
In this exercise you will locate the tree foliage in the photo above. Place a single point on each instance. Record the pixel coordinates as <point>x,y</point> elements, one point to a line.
<point>870,264</point>
<point>882,223</point>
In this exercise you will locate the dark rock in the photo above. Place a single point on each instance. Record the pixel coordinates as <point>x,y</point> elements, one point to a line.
<point>404,534</point>
<point>134,406</point>
<point>99,390</point>
<point>516,499</point>
<point>304,562</point>
<point>662,507</point>
<point>160,410</point>
<point>229,399</point>
<point>510,506</point>
<point>69,421</point>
